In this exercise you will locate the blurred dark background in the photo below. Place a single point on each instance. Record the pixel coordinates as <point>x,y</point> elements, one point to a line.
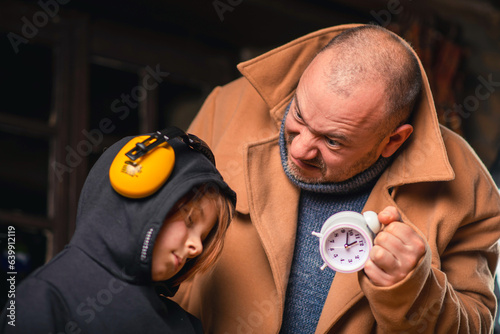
<point>72,83</point>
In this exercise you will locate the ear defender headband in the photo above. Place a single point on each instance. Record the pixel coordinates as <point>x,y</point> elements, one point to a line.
<point>145,163</point>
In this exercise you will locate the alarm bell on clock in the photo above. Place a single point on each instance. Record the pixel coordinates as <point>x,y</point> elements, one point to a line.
<point>346,239</point>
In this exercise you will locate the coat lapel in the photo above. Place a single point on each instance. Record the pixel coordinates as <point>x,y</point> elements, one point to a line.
<point>273,203</point>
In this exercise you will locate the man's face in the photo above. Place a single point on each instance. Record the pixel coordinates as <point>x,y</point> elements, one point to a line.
<point>332,136</point>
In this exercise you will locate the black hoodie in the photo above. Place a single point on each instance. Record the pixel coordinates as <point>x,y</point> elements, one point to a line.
<point>101,282</point>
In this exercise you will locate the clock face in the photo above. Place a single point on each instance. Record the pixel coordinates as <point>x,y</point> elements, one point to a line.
<point>346,248</point>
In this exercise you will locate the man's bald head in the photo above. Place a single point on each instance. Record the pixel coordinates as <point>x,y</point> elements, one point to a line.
<point>371,54</point>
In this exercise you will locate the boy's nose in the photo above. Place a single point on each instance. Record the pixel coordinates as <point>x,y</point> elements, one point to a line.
<point>195,247</point>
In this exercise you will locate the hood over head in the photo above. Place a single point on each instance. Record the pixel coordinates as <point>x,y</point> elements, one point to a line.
<point>119,232</point>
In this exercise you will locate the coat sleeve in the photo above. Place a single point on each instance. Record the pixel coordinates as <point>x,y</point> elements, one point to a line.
<point>38,308</point>
<point>452,288</point>
<point>427,302</point>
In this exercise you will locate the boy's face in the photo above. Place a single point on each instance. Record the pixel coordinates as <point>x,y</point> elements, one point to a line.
<point>181,237</point>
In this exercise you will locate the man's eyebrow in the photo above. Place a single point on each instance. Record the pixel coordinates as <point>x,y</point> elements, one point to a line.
<point>334,135</point>
<point>297,107</point>
<point>296,101</point>
<point>339,136</point>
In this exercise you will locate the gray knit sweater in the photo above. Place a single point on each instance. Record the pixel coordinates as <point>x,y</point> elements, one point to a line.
<point>308,285</point>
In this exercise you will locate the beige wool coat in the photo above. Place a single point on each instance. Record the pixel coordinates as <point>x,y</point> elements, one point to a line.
<point>437,183</point>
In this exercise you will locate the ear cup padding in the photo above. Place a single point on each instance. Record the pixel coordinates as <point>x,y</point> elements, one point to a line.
<point>145,175</point>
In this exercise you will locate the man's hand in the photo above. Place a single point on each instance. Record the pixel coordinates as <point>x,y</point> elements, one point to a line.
<point>396,252</point>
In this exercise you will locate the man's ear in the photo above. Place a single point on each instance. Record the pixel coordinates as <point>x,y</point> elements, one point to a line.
<point>396,139</point>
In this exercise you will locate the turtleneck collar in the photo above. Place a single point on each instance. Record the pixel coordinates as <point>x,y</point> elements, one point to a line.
<point>354,184</point>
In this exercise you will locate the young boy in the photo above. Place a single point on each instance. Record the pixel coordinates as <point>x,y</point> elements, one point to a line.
<point>129,253</point>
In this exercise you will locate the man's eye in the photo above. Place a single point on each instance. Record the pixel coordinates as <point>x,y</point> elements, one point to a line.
<point>331,142</point>
<point>297,114</point>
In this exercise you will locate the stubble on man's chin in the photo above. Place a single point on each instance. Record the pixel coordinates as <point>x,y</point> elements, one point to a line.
<point>294,170</point>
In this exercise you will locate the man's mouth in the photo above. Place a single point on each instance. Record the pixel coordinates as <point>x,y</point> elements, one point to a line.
<point>306,165</point>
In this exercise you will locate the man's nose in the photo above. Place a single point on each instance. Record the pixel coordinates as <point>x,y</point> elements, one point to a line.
<point>304,146</point>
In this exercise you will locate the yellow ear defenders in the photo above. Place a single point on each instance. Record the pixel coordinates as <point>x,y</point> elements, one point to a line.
<point>145,163</point>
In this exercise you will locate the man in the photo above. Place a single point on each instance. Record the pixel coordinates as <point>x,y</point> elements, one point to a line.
<point>309,131</point>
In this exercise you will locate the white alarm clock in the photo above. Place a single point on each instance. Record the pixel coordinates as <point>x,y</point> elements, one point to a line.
<point>346,239</point>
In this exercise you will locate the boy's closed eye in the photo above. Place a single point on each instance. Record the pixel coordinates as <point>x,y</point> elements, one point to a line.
<point>181,237</point>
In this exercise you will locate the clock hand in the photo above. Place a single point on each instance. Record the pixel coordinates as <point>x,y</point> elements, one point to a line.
<point>351,244</point>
